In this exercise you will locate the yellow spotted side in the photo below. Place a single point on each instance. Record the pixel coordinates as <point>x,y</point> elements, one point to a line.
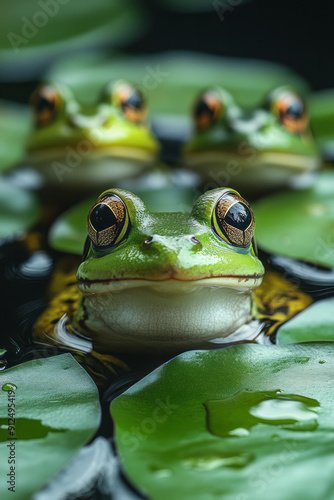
<point>278,300</point>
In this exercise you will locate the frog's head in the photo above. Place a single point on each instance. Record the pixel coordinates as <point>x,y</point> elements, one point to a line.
<point>260,148</point>
<point>167,281</point>
<point>96,144</point>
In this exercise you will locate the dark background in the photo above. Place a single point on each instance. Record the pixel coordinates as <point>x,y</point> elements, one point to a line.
<point>297,33</point>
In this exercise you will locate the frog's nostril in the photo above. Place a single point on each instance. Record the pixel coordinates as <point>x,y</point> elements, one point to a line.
<point>197,245</point>
<point>148,241</point>
<point>194,240</point>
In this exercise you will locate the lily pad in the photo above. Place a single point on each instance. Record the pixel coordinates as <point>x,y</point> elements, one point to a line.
<point>19,210</point>
<point>314,324</point>
<point>33,32</point>
<point>68,233</point>
<point>14,128</point>
<point>247,422</point>
<point>322,115</point>
<point>172,80</point>
<point>56,410</point>
<point>299,224</point>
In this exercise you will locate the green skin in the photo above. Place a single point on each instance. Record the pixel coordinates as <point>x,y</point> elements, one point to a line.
<point>171,284</point>
<point>88,147</point>
<point>251,150</point>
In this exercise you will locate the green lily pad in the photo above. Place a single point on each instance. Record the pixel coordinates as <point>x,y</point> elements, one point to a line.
<point>36,31</point>
<point>299,224</point>
<point>247,422</point>
<point>19,210</point>
<point>322,115</point>
<point>14,128</point>
<point>56,410</point>
<point>68,233</point>
<point>314,324</point>
<point>172,80</point>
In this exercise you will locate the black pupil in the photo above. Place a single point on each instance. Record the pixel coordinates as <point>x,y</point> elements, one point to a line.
<point>239,216</point>
<point>134,101</point>
<point>295,110</point>
<point>102,217</point>
<point>202,108</point>
<point>44,104</point>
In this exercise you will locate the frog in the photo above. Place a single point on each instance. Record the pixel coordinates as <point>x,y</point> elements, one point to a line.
<point>160,283</point>
<point>254,150</point>
<point>81,148</point>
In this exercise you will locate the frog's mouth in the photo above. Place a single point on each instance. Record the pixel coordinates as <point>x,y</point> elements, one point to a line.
<point>169,285</point>
<point>153,316</point>
<point>266,170</point>
<point>74,152</point>
<point>94,169</point>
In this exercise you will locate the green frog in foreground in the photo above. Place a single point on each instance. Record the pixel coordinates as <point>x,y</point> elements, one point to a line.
<point>251,149</point>
<point>163,283</point>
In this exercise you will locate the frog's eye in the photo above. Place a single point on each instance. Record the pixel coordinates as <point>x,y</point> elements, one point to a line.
<point>291,112</point>
<point>45,102</point>
<point>233,220</point>
<point>208,109</point>
<point>130,100</point>
<point>107,222</point>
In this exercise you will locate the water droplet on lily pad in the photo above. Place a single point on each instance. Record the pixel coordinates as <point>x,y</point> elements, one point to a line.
<point>239,431</point>
<point>283,409</point>
<point>9,387</point>
<point>160,471</point>
<point>205,462</point>
<point>246,409</point>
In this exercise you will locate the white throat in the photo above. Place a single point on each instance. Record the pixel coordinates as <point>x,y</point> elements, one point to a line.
<point>165,316</point>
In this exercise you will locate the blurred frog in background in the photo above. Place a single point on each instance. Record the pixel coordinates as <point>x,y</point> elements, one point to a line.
<point>253,150</point>
<point>80,148</point>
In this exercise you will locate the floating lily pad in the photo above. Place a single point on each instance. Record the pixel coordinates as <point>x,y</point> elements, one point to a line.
<point>299,224</point>
<point>69,232</point>
<point>314,324</point>
<point>56,410</point>
<point>19,210</point>
<point>322,115</point>
<point>14,128</point>
<point>247,422</point>
<point>33,32</point>
<point>172,80</point>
